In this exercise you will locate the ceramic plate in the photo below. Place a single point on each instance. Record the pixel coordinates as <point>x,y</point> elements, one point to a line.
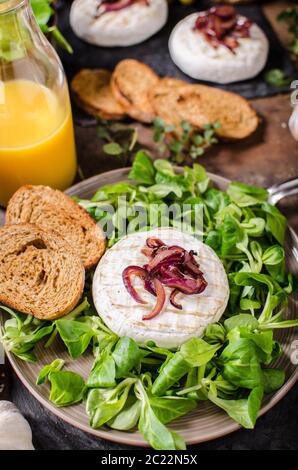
<point>207,421</point>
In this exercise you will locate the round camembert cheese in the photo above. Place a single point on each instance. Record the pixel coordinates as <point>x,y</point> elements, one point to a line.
<point>126,27</point>
<point>196,57</point>
<point>172,327</point>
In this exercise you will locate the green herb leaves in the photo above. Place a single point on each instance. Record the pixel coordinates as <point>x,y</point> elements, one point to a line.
<point>191,142</point>
<point>194,353</point>
<point>75,335</point>
<point>244,410</point>
<point>67,388</point>
<point>277,78</point>
<point>142,170</point>
<point>152,428</point>
<point>244,195</point>
<point>43,13</point>
<point>290,17</point>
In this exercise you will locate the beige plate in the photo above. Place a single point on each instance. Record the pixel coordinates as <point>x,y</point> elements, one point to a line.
<point>206,422</point>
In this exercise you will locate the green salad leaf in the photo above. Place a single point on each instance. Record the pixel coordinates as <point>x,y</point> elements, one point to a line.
<point>244,410</point>
<point>104,404</point>
<point>103,372</point>
<point>55,366</point>
<point>67,388</point>
<point>143,169</point>
<point>75,335</point>
<point>146,386</point>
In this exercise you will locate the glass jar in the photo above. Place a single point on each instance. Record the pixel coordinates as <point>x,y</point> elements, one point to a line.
<point>36,131</point>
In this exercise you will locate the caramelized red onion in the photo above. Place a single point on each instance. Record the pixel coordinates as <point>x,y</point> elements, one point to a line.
<point>170,266</point>
<point>186,285</point>
<point>106,6</point>
<point>160,300</point>
<point>173,299</point>
<point>222,26</point>
<point>127,280</point>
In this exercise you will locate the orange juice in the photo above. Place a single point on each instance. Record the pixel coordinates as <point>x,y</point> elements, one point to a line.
<point>36,138</point>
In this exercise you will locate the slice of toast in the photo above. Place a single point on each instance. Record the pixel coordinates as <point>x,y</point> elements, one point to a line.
<point>92,92</point>
<point>51,209</point>
<point>40,274</point>
<point>201,105</point>
<point>131,82</point>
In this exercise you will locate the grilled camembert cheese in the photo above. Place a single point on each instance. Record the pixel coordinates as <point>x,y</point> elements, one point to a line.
<point>129,23</point>
<point>199,59</point>
<point>172,327</point>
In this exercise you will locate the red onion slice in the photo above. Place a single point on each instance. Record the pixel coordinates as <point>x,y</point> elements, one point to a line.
<point>154,242</point>
<point>127,275</point>
<point>161,298</point>
<point>169,271</point>
<point>221,25</point>
<point>149,252</point>
<point>165,255</point>
<point>170,266</point>
<point>148,285</point>
<point>173,301</point>
<point>191,265</point>
<point>187,286</point>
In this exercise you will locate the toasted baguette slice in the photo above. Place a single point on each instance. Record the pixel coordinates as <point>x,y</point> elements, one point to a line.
<point>51,209</point>
<point>201,105</point>
<point>40,274</point>
<point>91,89</point>
<point>130,83</point>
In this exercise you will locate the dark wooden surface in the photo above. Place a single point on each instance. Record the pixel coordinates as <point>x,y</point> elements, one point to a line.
<point>268,157</point>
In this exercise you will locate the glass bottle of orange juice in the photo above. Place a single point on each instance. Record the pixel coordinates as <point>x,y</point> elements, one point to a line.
<point>36,131</point>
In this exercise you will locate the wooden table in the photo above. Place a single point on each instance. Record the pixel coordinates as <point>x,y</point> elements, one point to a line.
<point>268,157</point>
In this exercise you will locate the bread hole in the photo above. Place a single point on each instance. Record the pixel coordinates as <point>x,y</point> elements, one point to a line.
<point>41,277</point>
<point>39,244</point>
<point>56,278</point>
<point>181,99</point>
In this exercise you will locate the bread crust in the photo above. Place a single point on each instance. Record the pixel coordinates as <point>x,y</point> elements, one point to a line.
<point>201,105</point>
<point>51,209</point>
<point>131,83</point>
<point>91,89</point>
<point>40,273</point>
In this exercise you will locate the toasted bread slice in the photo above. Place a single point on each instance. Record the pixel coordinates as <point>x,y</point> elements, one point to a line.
<point>201,105</point>
<point>164,98</point>
<point>131,83</point>
<point>40,274</point>
<point>91,89</point>
<point>51,209</point>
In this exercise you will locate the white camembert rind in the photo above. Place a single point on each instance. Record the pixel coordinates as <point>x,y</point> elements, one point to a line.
<point>196,57</point>
<point>172,327</point>
<point>126,27</point>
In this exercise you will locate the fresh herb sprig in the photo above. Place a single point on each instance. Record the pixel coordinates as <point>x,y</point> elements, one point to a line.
<point>43,11</point>
<point>277,78</point>
<point>290,17</point>
<point>121,140</point>
<point>191,141</point>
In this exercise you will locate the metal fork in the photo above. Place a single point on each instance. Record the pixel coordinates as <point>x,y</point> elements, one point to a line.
<point>281,190</point>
